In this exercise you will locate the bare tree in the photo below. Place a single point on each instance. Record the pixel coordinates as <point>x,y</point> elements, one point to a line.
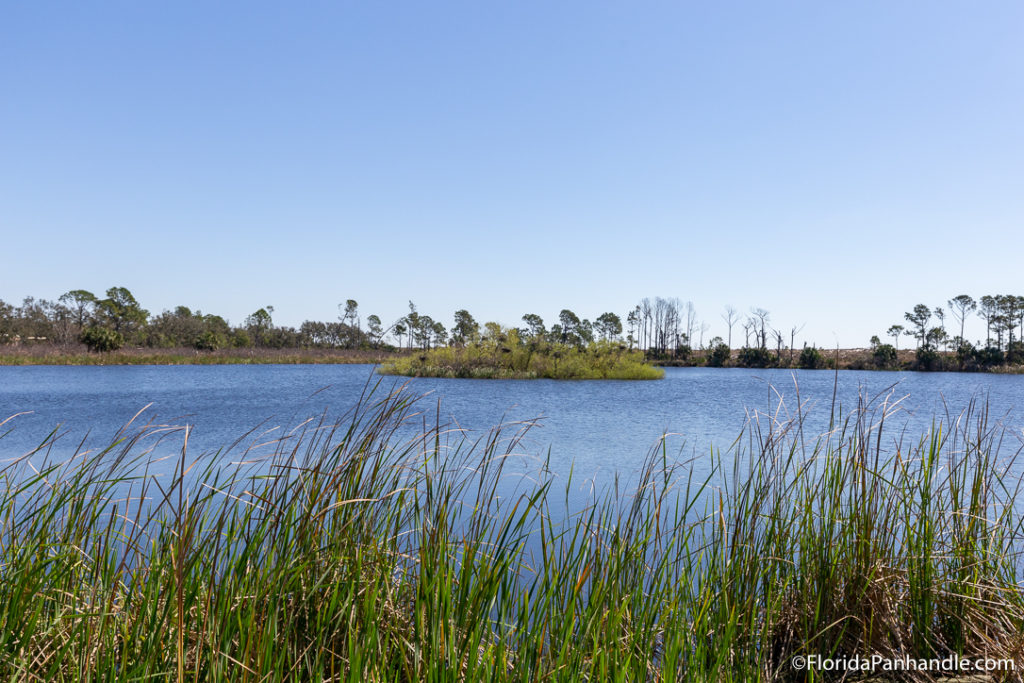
<point>660,328</point>
<point>730,318</point>
<point>645,315</point>
<point>792,340</point>
<point>691,319</point>
<point>749,325</point>
<point>762,316</point>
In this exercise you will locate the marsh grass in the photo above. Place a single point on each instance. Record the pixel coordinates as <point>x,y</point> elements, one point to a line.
<point>53,354</point>
<point>385,547</point>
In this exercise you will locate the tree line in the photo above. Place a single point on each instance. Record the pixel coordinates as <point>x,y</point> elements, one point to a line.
<point>118,319</point>
<point>938,347</point>
<point>665,329</point>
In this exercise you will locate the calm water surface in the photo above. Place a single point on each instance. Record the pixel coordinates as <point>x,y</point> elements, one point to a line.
<point>596,427</point>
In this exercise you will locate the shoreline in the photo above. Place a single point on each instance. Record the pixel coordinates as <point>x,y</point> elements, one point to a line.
<point>846,359</point>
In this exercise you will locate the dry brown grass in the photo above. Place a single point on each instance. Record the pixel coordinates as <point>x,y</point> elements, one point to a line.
<point>77,354</point>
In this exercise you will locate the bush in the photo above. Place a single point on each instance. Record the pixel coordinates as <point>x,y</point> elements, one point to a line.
<point>240,339</point>
<point>989,356</point>
<point>209,341</point>
<point>718,356</point>
<point>513,360</point>
<point>754,357</point>
<point>928,358</point>
<point>101,339</point>
<point>158,340</point>
<point>278,338</point>
<point>811,359</point>
<point>884,356</point>
<point>1015,353</point>
<point>966,353</point>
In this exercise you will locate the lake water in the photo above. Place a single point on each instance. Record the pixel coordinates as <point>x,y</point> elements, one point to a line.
<point>597,428</point>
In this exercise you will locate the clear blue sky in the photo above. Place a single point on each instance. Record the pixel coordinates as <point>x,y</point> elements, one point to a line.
<point>835,163</point>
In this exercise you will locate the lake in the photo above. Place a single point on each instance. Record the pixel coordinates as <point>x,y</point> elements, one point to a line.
<point>597,428</point>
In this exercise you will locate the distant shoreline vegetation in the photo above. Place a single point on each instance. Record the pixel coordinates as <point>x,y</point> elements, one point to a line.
<point>509,357</point>
<point>50,354</point>
<point>81,328</point>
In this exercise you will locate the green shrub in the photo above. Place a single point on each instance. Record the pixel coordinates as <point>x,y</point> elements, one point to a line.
<point>755,357</point>
<point>966,354</point>
<point>240,339</point>
<point>989,357</point>
<point>209,341</point>
<point>101,339</point>
<point>811,359</point>
<point>928,358</point>
<point>718,356</point>
<point>511,359</point>
<point>884,356</point>
<point>1015,353</point>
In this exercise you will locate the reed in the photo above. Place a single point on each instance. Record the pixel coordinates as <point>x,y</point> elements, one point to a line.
<point>385,547</point>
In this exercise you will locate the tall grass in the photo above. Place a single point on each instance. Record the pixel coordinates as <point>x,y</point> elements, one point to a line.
<point>386,548</point>
<point>55,354</point>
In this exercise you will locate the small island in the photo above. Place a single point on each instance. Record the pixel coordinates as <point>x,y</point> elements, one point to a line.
<point>509,356</point>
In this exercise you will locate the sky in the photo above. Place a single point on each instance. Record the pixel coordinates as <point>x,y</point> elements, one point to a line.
<point>834,163</point>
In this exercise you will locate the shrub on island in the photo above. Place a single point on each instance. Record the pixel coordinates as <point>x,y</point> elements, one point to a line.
<point>507,356</point>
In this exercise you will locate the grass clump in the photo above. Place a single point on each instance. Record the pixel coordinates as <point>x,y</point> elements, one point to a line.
<point>385,548</point>
<point>509,358</point>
